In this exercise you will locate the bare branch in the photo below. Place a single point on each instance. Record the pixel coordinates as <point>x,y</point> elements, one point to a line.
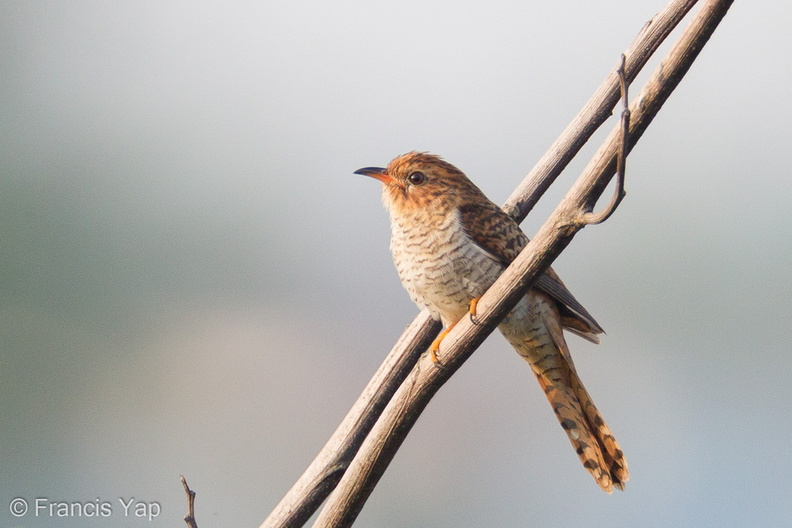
<point>322,476</point>
<point>595,112</point>
<point>411,398</point>
<point>190,517</point>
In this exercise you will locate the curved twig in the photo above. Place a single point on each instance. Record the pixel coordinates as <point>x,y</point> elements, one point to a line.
<point>621,161</point>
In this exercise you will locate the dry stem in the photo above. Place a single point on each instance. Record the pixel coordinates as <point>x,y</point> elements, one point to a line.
<point>190,517</point>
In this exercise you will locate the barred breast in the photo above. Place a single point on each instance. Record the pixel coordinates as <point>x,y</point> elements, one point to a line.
<point>439,265</point>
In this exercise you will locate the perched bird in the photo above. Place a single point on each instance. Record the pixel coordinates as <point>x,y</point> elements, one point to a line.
<point>449,243</point>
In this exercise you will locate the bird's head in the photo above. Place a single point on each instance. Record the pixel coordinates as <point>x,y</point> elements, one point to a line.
<point>418,180</point>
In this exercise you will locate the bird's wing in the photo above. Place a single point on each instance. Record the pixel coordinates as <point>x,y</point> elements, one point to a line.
<point>493,230</point>
<point>498,235</point>
<point>551,284</point>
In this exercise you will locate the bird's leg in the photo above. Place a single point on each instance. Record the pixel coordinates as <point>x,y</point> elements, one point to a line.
<point>436,343</point>
<point>472,309</point>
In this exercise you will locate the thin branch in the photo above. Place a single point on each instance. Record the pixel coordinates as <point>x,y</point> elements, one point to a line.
<point>321,477</point>
<point>190,517</point>
<point>411,398</point>
<point>621,160</point>
<point>595,112</point>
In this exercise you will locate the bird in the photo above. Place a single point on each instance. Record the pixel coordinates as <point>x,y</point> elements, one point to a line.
<point>450,243</point>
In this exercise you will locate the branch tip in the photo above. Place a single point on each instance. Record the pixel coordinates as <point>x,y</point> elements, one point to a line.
<point>190,517</point>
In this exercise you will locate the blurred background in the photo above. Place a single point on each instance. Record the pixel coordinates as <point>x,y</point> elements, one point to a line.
<point>192,281</point>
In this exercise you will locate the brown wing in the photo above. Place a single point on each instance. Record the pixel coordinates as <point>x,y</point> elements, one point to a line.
<point>500,236</point>
<point>493,230</point>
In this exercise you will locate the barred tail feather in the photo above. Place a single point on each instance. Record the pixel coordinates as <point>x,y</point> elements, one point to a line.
<point>587,431</point>
<point>537,336</point>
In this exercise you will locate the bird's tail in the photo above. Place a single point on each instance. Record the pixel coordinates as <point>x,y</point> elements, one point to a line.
<point>587,431</point>
<point>546,351</point>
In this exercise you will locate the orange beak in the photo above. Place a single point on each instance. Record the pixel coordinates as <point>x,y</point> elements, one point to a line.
<point>380,174</point>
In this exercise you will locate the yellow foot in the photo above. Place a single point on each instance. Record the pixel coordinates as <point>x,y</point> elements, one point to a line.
<point>436,344</point>
<point>472,309</point>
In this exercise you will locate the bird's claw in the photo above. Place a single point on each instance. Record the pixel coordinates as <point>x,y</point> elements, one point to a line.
<point>472,310</point>
<point>435,346</point>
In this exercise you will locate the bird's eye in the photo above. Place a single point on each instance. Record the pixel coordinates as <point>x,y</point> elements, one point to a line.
<point>416,178</point>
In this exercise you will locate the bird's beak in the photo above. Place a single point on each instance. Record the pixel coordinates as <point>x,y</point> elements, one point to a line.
<point>378,173</point>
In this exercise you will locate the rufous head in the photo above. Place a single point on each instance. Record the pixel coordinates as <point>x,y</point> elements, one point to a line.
<point>420,180</point>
